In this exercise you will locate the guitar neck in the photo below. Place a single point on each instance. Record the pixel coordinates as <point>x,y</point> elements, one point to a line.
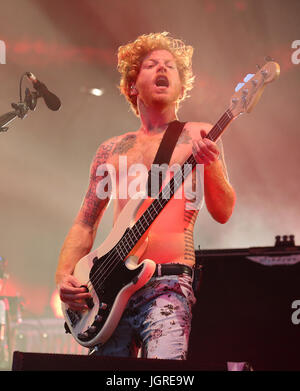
<point>220,126</point>
<point>143,223</point>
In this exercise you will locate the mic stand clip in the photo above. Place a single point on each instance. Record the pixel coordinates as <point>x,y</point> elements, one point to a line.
<point>20,109</point>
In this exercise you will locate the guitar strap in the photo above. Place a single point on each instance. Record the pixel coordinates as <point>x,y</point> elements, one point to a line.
<point>163,155</point>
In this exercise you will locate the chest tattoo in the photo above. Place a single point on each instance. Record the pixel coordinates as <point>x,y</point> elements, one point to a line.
<point>125,144</point>
<point>184,138</point>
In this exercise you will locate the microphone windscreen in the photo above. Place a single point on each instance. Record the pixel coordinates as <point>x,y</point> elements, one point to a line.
<point>51,100</point>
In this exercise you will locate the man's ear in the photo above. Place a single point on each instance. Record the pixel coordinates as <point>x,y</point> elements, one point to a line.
<point>133,90</point>
<point>182,92</point>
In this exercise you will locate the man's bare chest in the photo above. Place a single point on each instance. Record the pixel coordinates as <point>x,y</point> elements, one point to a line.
<point>138,149</point>
<point>132,158</point>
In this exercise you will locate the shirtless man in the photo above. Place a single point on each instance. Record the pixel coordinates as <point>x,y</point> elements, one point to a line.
<point>158,316</point>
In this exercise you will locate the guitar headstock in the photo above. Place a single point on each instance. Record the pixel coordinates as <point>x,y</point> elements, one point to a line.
<point>248,93</point>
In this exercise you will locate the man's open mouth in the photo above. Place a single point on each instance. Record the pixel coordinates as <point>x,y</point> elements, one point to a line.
<point>162,81</point>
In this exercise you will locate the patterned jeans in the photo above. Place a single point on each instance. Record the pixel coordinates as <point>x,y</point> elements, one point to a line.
<point>157,320</point>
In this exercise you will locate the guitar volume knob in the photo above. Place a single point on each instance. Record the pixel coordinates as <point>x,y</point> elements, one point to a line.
<point>83,335</point>
<point>92,330</point>
<point>98,318</point>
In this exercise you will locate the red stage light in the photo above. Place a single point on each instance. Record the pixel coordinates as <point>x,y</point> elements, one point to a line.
<point>55,304</point>
<point>210,6</point>
<point>241,5</point>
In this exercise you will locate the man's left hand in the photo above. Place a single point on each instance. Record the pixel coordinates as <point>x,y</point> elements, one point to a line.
<point>204,150</point>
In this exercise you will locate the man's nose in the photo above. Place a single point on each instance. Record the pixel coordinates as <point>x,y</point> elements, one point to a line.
<point>161,68</point>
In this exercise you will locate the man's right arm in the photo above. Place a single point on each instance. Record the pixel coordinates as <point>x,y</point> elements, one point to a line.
<point>80,238</point>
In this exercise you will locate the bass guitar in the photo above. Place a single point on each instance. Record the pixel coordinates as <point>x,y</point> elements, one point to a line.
<point>112,273</point>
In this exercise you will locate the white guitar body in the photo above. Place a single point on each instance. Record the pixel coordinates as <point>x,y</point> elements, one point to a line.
<point>82,271</point>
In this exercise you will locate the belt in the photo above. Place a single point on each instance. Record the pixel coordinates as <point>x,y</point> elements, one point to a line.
<point>169,269</point>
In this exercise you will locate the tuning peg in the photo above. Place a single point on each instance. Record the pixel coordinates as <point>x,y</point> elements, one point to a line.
<point>264,73</point>
<point>239,86</point>
<point>268,58</point>
<point>248,77</point>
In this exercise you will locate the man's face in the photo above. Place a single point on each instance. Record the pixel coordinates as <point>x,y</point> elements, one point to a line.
<point>158,82</point>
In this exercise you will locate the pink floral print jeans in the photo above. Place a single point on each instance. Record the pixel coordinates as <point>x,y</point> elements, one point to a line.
<point>156,321</point>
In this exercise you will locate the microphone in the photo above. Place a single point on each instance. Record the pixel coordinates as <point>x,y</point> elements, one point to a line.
<point>51,100</point>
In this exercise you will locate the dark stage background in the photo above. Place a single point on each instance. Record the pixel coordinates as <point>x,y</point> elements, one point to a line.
<point>244,309</point>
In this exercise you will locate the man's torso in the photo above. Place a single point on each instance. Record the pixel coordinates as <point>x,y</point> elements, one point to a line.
<point>170,237</point>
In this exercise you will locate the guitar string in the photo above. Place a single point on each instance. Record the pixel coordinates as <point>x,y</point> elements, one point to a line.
<point>123,249</point>
<point>109,261</point>
<point>127,238</point>
<point>118,258</point>
<point>112,261</point>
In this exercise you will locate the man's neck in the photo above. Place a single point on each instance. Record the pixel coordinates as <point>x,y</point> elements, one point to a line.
<point>155,120</point>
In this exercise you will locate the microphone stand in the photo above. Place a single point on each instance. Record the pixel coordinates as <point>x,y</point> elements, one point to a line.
<point>20,109</point>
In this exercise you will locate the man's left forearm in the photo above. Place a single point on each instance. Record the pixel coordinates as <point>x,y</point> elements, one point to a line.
<point>219,194</point>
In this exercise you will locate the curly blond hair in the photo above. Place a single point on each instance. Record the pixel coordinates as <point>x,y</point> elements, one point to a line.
<point>130,58</point>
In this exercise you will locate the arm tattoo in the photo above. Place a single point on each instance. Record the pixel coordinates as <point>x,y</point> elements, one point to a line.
<point>189,249</point>
<point>92,206</point>
<point>125,144</point>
